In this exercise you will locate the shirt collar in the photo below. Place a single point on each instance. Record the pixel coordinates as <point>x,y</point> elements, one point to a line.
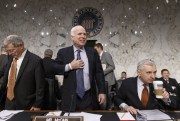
<point>101,54</point>
<point>140,82</point>
<point>75,49</point>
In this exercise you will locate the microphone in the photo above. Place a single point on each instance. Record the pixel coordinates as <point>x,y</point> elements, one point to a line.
<point>72,98</point>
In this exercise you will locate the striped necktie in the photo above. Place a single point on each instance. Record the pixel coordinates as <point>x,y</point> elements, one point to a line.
<point>80,79</point>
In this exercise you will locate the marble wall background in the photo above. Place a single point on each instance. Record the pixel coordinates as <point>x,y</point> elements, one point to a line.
<point>133,29</point>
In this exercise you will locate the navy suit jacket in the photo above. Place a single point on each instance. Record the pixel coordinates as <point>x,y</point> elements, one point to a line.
<point>29,85</point>
<point>97,81</point>
<point>128,94</point>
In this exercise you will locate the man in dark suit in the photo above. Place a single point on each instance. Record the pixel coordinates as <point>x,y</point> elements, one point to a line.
<point>137,92</point>
<point>26,90</point>
<point>92,78</point>
<point>3,61</point>
<point>170,83</point>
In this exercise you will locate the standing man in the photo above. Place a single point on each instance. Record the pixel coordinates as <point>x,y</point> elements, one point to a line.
<point>136,93</point>
<point>108,68</point>
<point>81,86</point>
<point>23,85</point>
<point>108,65</point>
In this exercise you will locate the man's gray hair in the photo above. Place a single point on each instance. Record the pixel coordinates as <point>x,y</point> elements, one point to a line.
<point>13,39</point>
<point>141,64</point>
<point>48,53</point>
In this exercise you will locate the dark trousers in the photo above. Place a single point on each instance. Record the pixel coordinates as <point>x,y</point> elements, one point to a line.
<point>10,104</point>
<point>85,103</point>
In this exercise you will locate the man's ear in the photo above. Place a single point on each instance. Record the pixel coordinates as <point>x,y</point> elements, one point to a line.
<point>138,72</point>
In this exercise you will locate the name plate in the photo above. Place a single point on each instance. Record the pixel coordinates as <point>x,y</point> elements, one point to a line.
<point>58,118</point>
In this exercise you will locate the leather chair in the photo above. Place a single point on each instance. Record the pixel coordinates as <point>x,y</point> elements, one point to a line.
<point>51,94</point>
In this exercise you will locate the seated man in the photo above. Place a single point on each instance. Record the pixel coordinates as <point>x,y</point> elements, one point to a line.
<point>170,83</point>
<point>136,93</point>
<point>123,77</point>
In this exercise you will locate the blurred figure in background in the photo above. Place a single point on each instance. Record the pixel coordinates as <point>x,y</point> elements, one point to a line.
<point>123,77</point>
<point>3,61</point>
<point>108,68</point>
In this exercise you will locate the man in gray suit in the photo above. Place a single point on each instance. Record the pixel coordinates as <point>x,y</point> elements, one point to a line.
<point>108,67</point>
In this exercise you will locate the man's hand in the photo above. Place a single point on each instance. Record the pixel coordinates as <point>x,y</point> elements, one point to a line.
<point>101,98</point>
<point>165,95</point>
<point>131,109</point>
<point>34,109</point>
<point>75,64</point>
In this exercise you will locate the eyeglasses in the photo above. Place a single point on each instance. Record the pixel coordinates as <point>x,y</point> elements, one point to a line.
<point>10,50</point>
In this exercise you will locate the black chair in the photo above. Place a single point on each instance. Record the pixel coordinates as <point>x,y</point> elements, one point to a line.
<point>52,93</point>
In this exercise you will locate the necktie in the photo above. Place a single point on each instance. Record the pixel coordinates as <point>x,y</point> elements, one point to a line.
<point>80,79</point>
<point>11,80</point>
<point>144,96</point>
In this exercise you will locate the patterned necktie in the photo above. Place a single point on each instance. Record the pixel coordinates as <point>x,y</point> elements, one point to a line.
<point>144,96</point>
<point>11,80</point>
<point>80,79</point>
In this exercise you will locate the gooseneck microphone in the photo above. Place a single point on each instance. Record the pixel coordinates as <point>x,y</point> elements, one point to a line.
<point>72,99</point>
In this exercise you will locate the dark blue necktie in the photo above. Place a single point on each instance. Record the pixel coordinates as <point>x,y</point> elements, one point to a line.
<point>80,79</point>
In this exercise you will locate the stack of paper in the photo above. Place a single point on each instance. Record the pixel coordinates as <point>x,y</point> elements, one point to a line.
<point>87,116</point>
<point>125,116</point>
<point>55,113</point>
<point>7,114</point>
<point>155,114</point>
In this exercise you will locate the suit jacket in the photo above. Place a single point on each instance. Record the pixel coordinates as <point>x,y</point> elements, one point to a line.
<point>52,68</point>
<point>106,59</point>
<point>3,62</point>
<point>29,85</point>
<point>65,56</point>
<point>172,83</point>
<point>128,94</point>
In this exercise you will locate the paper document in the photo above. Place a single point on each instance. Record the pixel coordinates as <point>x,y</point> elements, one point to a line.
<point>54,113</point>
<point>87,116</point>
<point>125,116</point>
<point>7,114</point>
<point>104,66</point>
<point>155,114</point>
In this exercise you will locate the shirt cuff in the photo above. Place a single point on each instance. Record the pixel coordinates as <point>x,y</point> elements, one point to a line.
<point>67,68</point>
<point>122,106</point>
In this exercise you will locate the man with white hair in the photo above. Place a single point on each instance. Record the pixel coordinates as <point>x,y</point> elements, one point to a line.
<point>136,93</point>
<point>81,86</point>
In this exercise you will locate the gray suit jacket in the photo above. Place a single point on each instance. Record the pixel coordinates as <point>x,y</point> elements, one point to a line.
<point>106,59</point>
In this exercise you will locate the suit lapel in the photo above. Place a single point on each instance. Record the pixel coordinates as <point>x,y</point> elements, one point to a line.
<point>90,60</point>
<point>151,94</point>
<point>136,90</point>
<point>23,65</point>
<point>70,53</point>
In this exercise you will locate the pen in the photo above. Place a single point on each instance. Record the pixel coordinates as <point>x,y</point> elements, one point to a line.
<point>123,115</point>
